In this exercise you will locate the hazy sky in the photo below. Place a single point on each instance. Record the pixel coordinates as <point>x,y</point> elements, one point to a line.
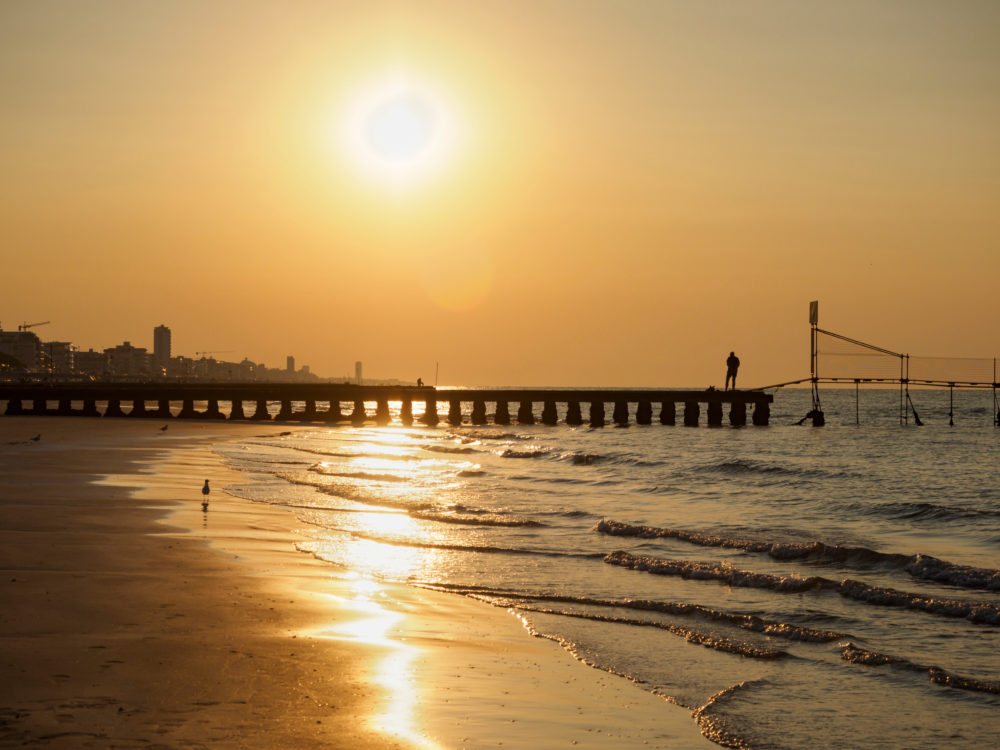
<point>549,193</point>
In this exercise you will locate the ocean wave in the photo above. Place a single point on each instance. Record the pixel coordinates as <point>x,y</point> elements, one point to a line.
<point>714,726</point>
<point>366,475</point>
<point>469,473</point>
<point>488,435</point>
<point>487,519</point>
<point>708,640</point>
<point>744,466</point>
<point>751,623</point>
<point>925,511</point>
<point>975,611</point>
<point>920,566</point>
<point>723,572</point>
<point>457,449</point>
<point>511,453</point>
<point>856,655</point>
<point>484,548</point>
<point>352,454</point>
<point>582,459</point>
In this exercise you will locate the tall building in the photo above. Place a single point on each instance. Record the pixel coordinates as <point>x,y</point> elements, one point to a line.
<point>357,373</point>
<point>161,349</point>
<point>290,363</point>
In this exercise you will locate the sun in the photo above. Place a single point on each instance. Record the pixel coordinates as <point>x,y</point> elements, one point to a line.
<point>399,130</point>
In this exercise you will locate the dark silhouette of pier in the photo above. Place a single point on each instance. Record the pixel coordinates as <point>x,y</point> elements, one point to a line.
<point>300,402</point>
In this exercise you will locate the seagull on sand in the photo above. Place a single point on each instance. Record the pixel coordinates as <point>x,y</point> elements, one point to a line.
<point>164,428</point>
<point>37,437</point>
<point>205,490</point>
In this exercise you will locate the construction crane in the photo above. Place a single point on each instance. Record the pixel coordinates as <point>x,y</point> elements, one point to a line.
<point>26,326</point>
<point>214,351</point>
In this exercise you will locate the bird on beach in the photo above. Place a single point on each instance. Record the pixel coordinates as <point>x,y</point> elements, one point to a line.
<point>37,437</point>
<point>164,428</point>
<point>205,490</point>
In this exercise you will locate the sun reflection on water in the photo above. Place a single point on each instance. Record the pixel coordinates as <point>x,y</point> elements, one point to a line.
<point>394,670</point>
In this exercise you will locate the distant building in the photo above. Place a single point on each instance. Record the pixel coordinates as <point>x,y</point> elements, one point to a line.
<point>57,357</point>
<point>161,350</point>
<point>90,363</point>
<point>126,360</point>
<point>289,363</point>
<point>24,346</point>
<point>357,373</point>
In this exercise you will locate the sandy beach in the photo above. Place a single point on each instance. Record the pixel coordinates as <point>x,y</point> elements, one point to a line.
<point>131,618</point>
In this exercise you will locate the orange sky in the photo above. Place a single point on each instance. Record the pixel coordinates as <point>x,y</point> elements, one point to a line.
<point>632,189</point>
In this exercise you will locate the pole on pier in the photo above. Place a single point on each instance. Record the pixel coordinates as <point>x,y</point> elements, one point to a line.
<point>817,410</point>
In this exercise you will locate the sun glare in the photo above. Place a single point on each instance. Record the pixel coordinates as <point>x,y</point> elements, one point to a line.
<point>399,130</point>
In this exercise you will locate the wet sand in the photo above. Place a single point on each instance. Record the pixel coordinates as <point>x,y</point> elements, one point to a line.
<point>130,618</point>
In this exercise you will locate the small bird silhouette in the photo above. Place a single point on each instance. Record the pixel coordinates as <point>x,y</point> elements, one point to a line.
<point>164,428</point>
<point>205,490</point>
<point>37,437</point>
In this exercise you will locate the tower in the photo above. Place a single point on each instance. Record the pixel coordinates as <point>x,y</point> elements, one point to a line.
<point>161,349</point>
<point>357,372</point>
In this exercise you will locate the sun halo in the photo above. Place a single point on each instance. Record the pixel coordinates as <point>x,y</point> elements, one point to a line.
<point>399,131</point>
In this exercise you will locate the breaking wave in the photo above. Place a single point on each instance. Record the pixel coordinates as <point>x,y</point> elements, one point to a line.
<point>974,611</point>
<point>920,566</point>
<point>855,655</point>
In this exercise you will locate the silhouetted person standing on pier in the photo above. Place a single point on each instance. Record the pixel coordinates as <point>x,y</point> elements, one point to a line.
<point>732,365</point>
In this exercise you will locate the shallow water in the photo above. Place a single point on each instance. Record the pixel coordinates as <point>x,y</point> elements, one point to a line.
<point>797,586</point>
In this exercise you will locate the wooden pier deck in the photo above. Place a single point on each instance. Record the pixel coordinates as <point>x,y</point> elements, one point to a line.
<point>301,402</point>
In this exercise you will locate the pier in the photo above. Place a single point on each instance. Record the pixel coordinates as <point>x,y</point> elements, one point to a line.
<point>325,403</point>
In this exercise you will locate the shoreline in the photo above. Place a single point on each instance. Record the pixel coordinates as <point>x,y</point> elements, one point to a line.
<point>350,662</point>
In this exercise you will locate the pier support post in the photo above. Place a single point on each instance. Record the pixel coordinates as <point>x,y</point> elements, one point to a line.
<point>212,411</point>
<point>454,413</point>
<point>285,412</point>
<point>187,409</point>
<point>236,409</point>
<point>39,406</point>
<point>525,414</point>
<point>309,413</point>
<point>138,408</point>
<point>644,413</point>
<point>761,413</point>
<point>162,408</point>
<point>90,408</point>
<point>715,414</point>
<point>261,413</point>
<point>406,412</point>
<point>620,414</point>
<point>359,415</point>
<point>65,407</point>
<point>691,409</point>
<point>549,414</point>
<point>332,413</point>
<point>14,407</point>
<point>478,412</point>
<point>114,408</point>
<point>668,413</point>
<point>431,418</point>
<point>382,417</point>
<point>573,415</point>
<point>597,414</point>
<point>738,414</point>
<point>502,415</point>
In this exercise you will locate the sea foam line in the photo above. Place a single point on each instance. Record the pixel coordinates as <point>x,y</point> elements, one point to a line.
<point>920,566</point>
<point>974,611</point>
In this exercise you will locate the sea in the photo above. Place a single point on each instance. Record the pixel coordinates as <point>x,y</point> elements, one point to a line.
<point>792,586</point>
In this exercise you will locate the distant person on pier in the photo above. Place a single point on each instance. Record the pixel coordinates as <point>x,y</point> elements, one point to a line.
<point>732,365</point>
<point>420,383</point>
